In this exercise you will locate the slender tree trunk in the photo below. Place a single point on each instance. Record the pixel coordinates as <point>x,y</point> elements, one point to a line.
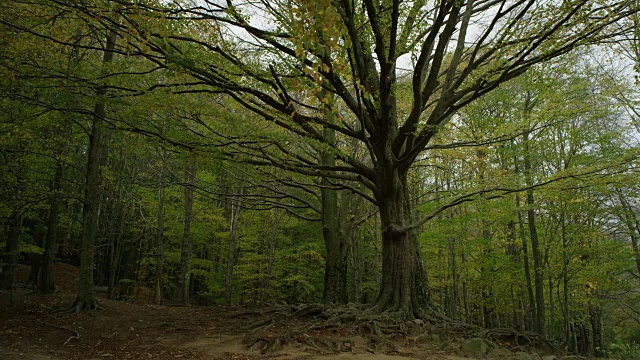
<point>531,313</point>
<point>574,337</point>
<point>184,273</point>
<point>36,259</point>
<point>377,244</point>
<point>538,266</point>
<point>587,349</point>
<point>116,254</point>
<point>47,285</point>
<point>552,315</point>
<point>465,292</point>
<point>355,259</point>
<point>453,304</point>
<point>451,241</point>
<point>595,313</point>
<point>232,255</point>
<point>565,278</point>
<point>272,251</point>
<point>160,234</point>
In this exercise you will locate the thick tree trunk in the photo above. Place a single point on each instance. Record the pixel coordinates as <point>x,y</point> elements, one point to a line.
<point>335,273</point>
<point>184,271</point>
<point>86,299</point>
<point>631,221</point>
<point>404,289</point>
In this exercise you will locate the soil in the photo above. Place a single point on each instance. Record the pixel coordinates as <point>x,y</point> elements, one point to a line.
<point>35,329</point>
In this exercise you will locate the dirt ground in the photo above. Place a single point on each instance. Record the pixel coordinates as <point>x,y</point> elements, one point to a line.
<point>120,330</point>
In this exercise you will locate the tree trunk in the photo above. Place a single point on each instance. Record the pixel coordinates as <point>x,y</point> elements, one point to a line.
<point>531,313</point>
<point>232,255</point>
<point>451,242</point>
<point>160,235</point>
<point>116,253</point>
<point>10,261</point>
<point>86,299</point>
<point>552,314</point>
<point>538,267</point>
<point>272,251</point>
<point>595,313</point>
<point>453,303</point>
<point>466,317</point>
<point>355,259</point>
<point>184,272</point>
<point>47,285</point>
<point>404,289</point>
<point>335,273</point>
<point>631,221</point>
<point>36,259</point>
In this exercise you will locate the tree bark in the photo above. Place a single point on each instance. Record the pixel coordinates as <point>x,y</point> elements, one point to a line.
<point>335,274</point>
<point>565,279</point>
<point>355,260</point>
<point>184,272</point>
<point>86,299</point>
<point>116,253</point>
<point>36,259</point>
<point>595,313</point>
<point>160,234</point>
<point>272,251</point>
<point>404,289</point>
<point>47,285</point>
<point>538,266</point>
<point>631,221</point>
<point>10,260</point>
<point>232,255</point>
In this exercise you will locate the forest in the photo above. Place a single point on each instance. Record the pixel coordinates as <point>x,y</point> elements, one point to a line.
<point>458,163</point>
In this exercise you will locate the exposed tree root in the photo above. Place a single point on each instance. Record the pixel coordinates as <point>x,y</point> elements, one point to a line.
<point>381,344</point>
<point>310,310</point>
<point>259,324</point>
<point>79,306</point>
<point>326,345</point>
<point>76,334</point>
<point>514,338</point>
<point>260,340</point>
<point>303,325</point>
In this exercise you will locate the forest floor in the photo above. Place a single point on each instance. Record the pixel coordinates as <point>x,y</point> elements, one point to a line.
<point>33,329</point>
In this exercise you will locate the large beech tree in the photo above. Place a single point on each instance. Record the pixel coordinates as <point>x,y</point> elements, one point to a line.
<point>289,61</point>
